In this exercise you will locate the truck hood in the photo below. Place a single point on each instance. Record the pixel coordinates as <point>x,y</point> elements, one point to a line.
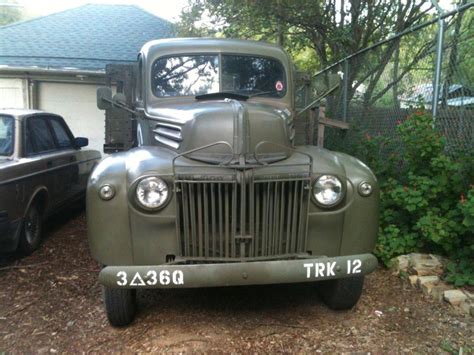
<point>185,127</point>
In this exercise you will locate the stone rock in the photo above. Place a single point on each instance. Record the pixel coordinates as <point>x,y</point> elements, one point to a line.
<point>423,280</point>
<point>437,291</point>
<point>413,280</point>
<point>426,283</point>
<point>454,297</point>
<point>425,265</point>
<point>400,263</point>
<point>467,307</point>
<point>469,295</point>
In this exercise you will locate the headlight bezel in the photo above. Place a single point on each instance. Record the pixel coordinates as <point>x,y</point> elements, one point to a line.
<point>133,193</point>
<point>342,195</point>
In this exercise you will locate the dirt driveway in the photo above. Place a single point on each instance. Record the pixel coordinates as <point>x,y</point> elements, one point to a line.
<point>51,302</point>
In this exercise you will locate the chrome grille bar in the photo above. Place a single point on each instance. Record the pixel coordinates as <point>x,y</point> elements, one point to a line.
<point>241,218</point>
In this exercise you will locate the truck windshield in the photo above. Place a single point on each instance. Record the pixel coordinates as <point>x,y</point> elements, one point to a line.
<point>191,75</point>
<point>6,135</point>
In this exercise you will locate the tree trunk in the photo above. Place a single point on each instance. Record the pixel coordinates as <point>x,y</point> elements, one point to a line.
<point>396,63</point>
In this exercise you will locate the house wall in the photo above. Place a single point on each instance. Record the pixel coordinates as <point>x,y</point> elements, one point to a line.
<point>77,104</point>
<point>13,93</point>
<point>72,97</point>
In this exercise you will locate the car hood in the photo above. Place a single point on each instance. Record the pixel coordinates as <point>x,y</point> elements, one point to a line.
<point>242,125</point>
<point>4,162</point>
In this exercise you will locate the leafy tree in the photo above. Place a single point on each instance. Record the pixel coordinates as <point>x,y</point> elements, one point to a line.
<point>458,53</point>
<point>330,29</point>
<point>9,12</point>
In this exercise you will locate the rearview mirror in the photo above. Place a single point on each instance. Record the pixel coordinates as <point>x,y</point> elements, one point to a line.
<point>81,142</point>
<point>104,98</point>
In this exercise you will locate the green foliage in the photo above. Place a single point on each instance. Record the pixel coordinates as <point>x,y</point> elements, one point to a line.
<point>427,203</point>
<point>9,13</point>
<point>467,209</point>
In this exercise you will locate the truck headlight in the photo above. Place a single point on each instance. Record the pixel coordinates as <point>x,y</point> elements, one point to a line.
<point>152,192</point>
<point>328,190</point>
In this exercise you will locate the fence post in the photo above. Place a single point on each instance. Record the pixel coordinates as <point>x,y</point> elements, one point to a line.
<point>311,120</point>
<point>345,84</point>
<point>438,65</point>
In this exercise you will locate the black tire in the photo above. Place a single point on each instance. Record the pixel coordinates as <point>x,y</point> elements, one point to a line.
<point>341,293</point>
<point>30,236</point>
<point>120,305</point>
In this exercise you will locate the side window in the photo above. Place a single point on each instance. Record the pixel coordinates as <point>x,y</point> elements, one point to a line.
<point>38,136</point>
<point>28,142</point>
<point>62,137</point>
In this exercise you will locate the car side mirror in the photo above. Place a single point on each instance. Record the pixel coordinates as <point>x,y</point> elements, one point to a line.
<point>81,142</point>
<point>104,98</point>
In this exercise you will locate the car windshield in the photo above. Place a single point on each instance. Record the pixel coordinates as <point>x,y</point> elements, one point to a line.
<point>191,75</point>
<point>6,135</point>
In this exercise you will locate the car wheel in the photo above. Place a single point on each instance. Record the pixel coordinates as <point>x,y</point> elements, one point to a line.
<point>30,237</point>
<point>120,305</point>
<point>341,293</point>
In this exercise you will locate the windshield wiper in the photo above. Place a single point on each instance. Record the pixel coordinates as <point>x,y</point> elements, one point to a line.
<point>222,95</point>
<point>261,93</point>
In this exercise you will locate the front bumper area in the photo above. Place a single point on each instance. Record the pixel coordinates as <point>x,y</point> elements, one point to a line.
<point>238,273</point>
<point>8,233</point>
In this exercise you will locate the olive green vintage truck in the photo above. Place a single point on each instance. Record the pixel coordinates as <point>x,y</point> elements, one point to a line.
<point>206,188</point>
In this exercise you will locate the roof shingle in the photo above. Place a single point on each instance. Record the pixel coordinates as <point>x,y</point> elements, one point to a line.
<point>87,37</point>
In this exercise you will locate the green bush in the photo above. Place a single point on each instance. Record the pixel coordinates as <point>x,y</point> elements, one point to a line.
<point>427,202</point>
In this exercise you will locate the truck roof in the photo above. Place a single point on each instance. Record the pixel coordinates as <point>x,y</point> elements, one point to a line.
<point>212,45</point>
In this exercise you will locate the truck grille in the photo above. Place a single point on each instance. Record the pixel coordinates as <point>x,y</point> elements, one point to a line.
<point>241,217</point>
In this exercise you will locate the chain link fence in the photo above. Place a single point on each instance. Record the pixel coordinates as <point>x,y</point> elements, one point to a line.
<point>430,66</point>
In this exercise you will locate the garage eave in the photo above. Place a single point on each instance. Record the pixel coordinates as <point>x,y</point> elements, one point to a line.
<point>54,71</point>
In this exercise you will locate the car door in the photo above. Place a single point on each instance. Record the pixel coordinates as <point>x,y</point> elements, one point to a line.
<point>70,174</point>
<point>56,162</point>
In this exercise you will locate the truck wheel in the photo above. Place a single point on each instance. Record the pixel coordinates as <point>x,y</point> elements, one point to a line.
<point>30,237</point>
<point>341,293</point>
<point>120,305</point>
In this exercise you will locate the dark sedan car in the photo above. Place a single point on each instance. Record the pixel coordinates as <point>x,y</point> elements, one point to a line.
<point>42,168</point>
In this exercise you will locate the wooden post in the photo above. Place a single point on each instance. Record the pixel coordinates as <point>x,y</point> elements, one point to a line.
<point>321,126</point>
<point>310,131</point>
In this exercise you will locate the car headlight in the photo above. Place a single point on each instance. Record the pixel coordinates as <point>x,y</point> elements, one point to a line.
<point>328,190</point>
<point>152,192</point>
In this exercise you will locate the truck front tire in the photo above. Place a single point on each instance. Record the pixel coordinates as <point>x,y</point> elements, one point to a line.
<point>341,294</point>
<point>120,305</point>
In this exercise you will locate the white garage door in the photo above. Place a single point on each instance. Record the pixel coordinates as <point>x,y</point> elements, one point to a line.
<point>77,104</point>
<point>12,93</point>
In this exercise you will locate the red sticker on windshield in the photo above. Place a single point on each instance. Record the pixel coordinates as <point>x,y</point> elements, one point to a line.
<point>279,86</point>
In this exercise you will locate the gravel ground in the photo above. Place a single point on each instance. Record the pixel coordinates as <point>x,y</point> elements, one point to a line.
<point>51,302</point>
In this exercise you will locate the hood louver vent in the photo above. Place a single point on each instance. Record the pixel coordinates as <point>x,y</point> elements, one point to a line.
<point>168,134</point>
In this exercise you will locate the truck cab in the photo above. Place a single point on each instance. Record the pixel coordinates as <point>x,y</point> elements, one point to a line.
<point>211,190</point>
